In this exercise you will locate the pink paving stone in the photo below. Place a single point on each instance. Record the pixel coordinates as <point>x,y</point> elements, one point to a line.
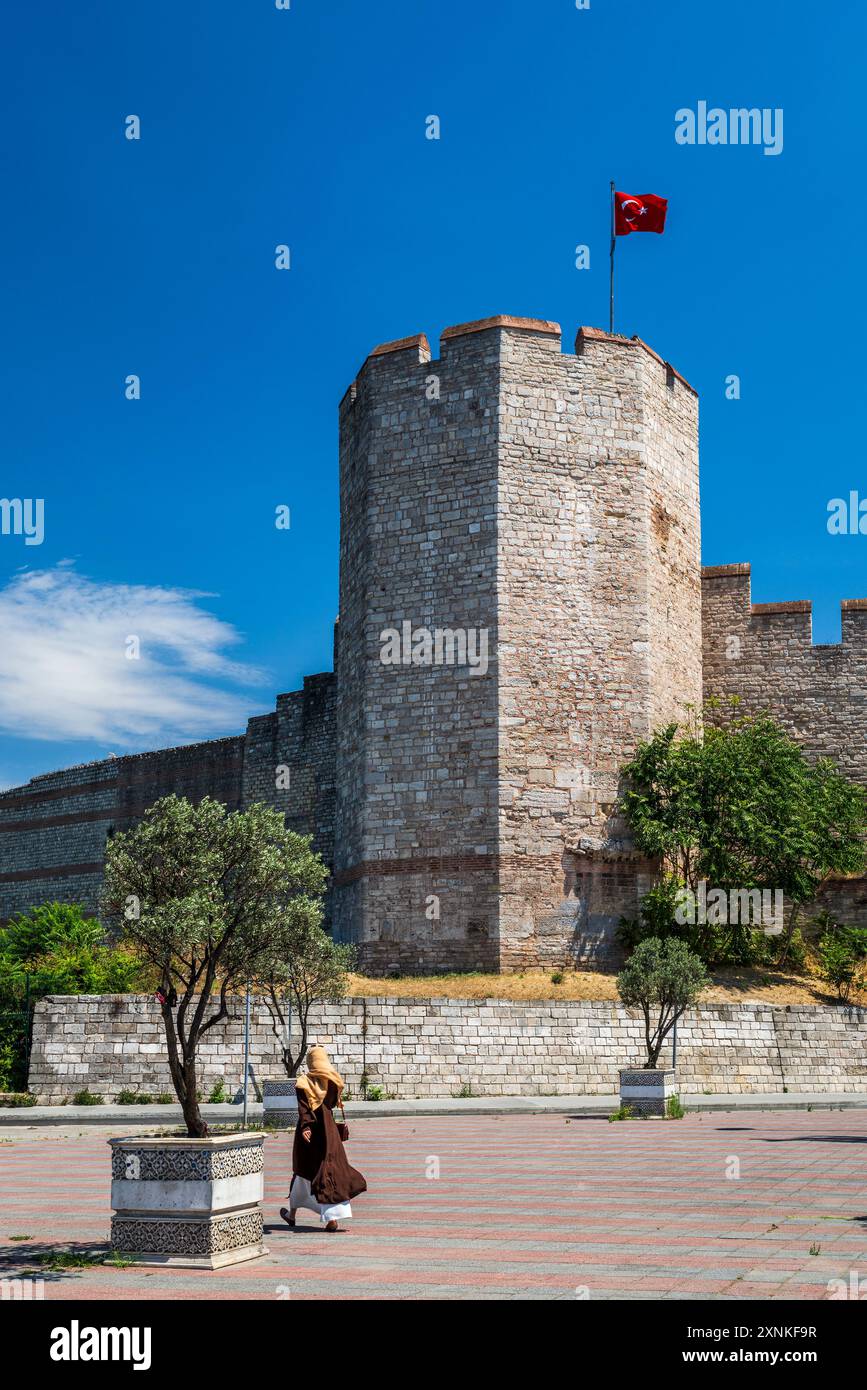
<point>642,1211</point>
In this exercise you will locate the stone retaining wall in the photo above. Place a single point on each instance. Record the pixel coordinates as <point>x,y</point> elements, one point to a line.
<point>439,1047</point>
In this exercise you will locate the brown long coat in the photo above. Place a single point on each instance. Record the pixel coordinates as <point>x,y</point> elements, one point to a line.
<point>322,1159</point>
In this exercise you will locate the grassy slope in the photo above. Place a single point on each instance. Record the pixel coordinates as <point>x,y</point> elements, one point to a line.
<point>729,986</point>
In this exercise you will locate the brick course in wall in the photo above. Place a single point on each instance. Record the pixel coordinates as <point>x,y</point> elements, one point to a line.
<point>435,1047</point>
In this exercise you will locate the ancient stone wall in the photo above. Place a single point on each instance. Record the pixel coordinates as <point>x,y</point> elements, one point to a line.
<point>53,830</point>
<point>415,852</point>
<point>600,622</point>
<point>763,653</point>
<point>439,1047</point>
<point>549,500</point>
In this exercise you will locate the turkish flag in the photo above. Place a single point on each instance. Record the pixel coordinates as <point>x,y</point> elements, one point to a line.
<point>638,212</point>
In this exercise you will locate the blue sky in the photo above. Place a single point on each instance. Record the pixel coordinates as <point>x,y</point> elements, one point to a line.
<point>307,127</point>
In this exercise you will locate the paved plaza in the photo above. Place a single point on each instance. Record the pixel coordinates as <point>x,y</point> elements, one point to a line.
<point>499,1207</point>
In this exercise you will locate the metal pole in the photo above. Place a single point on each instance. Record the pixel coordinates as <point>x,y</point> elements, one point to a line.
<point>246,1049</point>
<point>674,1046</point>
<point>613,244</point>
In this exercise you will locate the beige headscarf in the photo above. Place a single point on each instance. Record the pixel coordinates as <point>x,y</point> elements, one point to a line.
<point>314,1086</point>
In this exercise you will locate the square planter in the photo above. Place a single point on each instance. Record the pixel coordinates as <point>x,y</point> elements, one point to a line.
<point>646,1089</point>
<point>280,1103</point>
<point>190,1203</point>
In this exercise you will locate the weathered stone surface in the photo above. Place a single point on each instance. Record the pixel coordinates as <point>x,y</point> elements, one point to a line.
<point>435,1047</point>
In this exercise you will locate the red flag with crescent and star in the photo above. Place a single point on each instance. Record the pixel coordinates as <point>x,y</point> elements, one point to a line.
<point>639,212</point>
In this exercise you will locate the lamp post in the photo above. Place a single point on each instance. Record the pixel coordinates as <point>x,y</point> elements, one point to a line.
<point>246,1049</point>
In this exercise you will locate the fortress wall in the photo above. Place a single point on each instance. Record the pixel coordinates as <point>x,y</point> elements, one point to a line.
<point>763,653</point>
<point>674,540</point>
<point>599,622</point>
<point>574,678</point>
<point>53,830</point>
<point>295,747</point>
<point>434,1047</point>
<point>416,760</point>
<point>552,500</point>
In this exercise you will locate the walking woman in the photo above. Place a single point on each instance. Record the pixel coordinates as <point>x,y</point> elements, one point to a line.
<point>322,1180</point>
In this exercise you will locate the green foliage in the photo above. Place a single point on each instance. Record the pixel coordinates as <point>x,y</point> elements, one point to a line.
<point>18,1100</point>
<point>13,1053</point>
<point>133,1098</point>
<point>165,1098</point>
<point>302,966</point>
<point>656,915</point>
<point>674,1109</point>
<point>557,977</point>
<point>69,1259</point>
<point>374,1093</point>
<point>218,1094</point>
<point>118,1260</point>
<point>662,978</point>
<point>843,958</point>
<point>739,806</point>
<point>87,1097</point>
<point>208,898</point>
<point>623,1112</point>
<point>53,949</point>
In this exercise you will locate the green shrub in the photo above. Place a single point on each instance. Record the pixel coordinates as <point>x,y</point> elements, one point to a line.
<point>218,1093</point>
<point>674,1110</point>
<point>373,1093</point>
<point>87,1097</point>
<point>843,959</point>
<point>734,802</point>
<point>53,949</point>
<point>656,915</point>
<point>133,1098</point>
<point>16,1100</point>
<point>166,1098</point>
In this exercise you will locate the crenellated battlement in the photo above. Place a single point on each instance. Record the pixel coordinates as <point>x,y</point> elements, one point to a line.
<point>728,607</point>
<point>764,654</point>
<point>393,359</point>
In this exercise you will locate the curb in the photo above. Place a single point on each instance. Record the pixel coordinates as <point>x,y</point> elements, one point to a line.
<point>574,1107</point>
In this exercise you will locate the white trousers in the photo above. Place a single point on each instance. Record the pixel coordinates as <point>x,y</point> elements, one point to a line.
<point>300,1195</point>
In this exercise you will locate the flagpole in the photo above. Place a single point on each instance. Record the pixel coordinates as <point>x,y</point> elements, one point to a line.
<point>613,244</point>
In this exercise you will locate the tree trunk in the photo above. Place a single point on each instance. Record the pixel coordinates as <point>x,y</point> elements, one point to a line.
<point>196,1126</point>
<point>183,1074</point>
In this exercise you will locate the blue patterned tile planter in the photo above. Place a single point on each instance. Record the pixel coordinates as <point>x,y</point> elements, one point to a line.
<point>192,1203</point>
<point>645,1089</point>
<point>280,1104</point>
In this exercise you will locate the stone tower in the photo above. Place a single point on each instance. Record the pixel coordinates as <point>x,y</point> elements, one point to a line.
<point>519,605</point>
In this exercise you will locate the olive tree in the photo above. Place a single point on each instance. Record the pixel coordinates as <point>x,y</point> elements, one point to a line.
<point>201,893</point>
<point>739,805</point>
<point>303,967</point>
<point>662,979</point>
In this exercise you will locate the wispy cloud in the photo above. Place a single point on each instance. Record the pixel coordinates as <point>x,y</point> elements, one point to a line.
<point>65,673</point>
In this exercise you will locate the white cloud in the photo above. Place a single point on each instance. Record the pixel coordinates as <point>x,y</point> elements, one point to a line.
<point>64,672</point>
